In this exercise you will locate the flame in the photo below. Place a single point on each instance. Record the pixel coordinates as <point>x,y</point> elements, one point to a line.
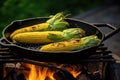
<point>45,73</point>
<point>74,70</point>
<point>39,73</point>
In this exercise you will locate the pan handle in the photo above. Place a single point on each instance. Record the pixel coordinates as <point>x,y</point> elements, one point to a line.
<point>111,33</point>
<point>4,43</point>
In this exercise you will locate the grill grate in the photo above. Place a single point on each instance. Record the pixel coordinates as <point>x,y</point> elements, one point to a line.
<point>101,55</point>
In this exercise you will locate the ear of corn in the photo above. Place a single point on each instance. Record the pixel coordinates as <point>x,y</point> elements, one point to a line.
<point>55,23</point>
<point>36,37</point>
<point>62,46</point>
<point>74,44</point>
<point>47,36</point>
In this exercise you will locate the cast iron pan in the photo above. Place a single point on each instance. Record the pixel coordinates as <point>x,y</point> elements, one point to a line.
<point>31,51</point>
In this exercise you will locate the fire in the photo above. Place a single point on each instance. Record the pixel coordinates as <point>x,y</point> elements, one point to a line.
<point>39,73</point>
<point>74,70</point>
<point>44,73</point>
<point>52,72</point>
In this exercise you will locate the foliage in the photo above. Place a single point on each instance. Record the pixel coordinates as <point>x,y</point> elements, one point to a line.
<point>11,10</point>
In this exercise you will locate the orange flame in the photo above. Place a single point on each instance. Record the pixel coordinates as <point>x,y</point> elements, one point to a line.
<point>45,73</point>
<point>74,70</point>
<point>39,73</point>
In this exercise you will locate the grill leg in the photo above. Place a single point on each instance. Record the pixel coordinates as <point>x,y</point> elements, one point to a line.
<point>1,71</point>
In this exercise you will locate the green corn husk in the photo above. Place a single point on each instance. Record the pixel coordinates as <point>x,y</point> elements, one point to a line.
<point>74,32</point>
<point>56,18</point>
<point>57,22</point>
<point>88,41</point>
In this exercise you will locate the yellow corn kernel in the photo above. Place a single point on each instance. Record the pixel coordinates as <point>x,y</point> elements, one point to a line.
<point>30,28</point>
<point>62,46</point>
<point>35,37</point>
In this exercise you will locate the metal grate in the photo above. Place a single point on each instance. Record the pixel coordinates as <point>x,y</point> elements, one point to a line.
<point>101,55</point>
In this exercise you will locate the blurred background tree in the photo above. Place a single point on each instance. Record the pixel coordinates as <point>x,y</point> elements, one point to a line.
<point>11,10</point>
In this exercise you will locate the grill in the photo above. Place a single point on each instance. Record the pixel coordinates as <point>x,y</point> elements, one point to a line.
<point>106,62</point>
<point>103,56</point>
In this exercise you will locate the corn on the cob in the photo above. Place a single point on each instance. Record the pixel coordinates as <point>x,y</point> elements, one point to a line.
<point>36,37</point>
<point>62,46</point>
<point>48,36</point>
<point>74,44</point>
<point>55,23</point>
